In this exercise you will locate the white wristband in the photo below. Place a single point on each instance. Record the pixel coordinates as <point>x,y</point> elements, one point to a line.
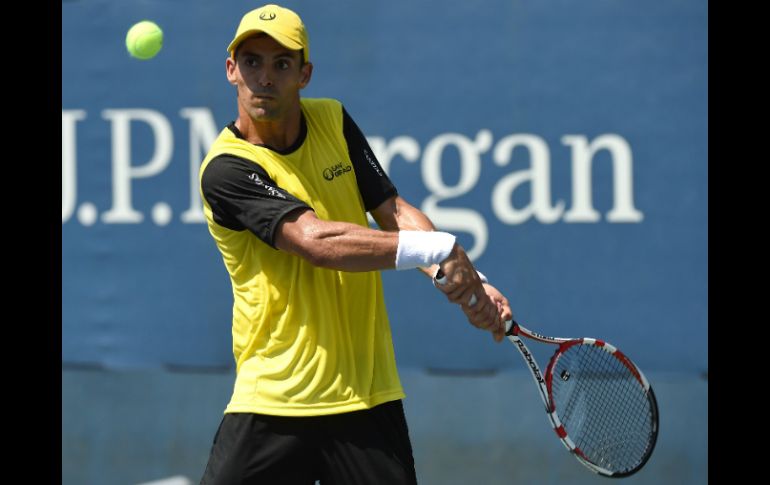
<point>422,248</point>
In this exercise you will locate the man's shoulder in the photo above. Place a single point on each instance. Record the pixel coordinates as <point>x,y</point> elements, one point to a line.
<point>321,104</point>
<point>321,112</point>
<point>225,136</point>
<point>228,148</point>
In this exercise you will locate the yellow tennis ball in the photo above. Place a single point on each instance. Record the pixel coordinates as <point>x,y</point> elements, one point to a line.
<point>144,40</point>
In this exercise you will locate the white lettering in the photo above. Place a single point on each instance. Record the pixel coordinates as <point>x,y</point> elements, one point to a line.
<point>122,170</point>
<point>582,201</point>
<point>465,220</point>
<point>69,185</point>
<point>539,175</point>
<point>203,131</point>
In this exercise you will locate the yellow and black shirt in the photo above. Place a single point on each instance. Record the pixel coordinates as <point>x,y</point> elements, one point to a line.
<point>307,341</point>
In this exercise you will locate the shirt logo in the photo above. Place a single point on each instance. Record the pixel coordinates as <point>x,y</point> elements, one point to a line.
<point>372,163</point>
<point>270,189</point>
<point>336,171</point>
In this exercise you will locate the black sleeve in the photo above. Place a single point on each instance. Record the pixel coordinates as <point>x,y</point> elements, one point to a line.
<point>242,196</point>
<point>373,182</point>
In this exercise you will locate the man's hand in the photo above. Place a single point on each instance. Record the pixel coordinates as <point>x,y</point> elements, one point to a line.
<point>462,285</point>
<point>480,317</point>
<point>461,281</point>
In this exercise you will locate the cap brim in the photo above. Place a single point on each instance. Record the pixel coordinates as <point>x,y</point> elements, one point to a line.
<point>280,38</point>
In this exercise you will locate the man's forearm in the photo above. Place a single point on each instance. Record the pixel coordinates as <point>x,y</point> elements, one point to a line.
<point>338,245</point>
<point>350,247</point>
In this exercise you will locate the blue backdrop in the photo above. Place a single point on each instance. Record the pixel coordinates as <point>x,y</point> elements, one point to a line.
<point>565,143</point>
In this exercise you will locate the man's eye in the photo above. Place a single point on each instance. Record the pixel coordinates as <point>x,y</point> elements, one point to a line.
<point>283,65</point>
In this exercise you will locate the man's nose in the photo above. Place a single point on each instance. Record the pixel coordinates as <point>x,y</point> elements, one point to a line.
<point>265,78</point>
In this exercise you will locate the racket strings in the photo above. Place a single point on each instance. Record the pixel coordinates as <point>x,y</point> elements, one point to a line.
<point>603,407</point>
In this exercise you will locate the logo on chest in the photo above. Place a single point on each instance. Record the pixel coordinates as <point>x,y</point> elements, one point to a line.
<point>336,171</point>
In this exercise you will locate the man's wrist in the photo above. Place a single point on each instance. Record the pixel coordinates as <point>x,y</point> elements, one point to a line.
<point>422,248</point>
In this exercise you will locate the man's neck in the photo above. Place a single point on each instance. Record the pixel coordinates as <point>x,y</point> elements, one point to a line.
<point>277,134</point>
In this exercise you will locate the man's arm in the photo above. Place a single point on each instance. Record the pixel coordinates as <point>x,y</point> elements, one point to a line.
<point>491,309</point>
<point>396,214</point>
<point>349,247</point>
<point>336,245</point>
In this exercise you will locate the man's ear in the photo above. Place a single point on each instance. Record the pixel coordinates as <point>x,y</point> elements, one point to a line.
<point>307,73</point>
<point>230,70</point>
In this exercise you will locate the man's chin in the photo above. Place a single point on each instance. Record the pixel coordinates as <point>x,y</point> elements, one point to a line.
<point>261,114</point>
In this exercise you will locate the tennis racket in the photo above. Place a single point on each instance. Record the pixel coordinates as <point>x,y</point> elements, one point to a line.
<point>599,403</point>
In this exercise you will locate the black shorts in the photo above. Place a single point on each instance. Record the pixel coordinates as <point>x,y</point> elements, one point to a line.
<point>361,447</point>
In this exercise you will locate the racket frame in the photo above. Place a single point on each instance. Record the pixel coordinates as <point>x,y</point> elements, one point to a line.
<point>543,382</point>
<point>513,330</point>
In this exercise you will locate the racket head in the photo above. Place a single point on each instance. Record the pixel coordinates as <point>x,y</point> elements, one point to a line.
<point>602,407</point>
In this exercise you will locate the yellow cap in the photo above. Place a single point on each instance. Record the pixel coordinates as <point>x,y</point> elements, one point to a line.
<point>280,23</point>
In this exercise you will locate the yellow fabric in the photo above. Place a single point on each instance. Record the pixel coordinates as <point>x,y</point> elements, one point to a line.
<point>307,341</point>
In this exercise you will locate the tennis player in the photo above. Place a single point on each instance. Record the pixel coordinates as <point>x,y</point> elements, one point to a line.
<point>286,188</point>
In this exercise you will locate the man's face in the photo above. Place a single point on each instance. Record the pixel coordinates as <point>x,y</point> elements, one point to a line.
<point>268,76</point>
